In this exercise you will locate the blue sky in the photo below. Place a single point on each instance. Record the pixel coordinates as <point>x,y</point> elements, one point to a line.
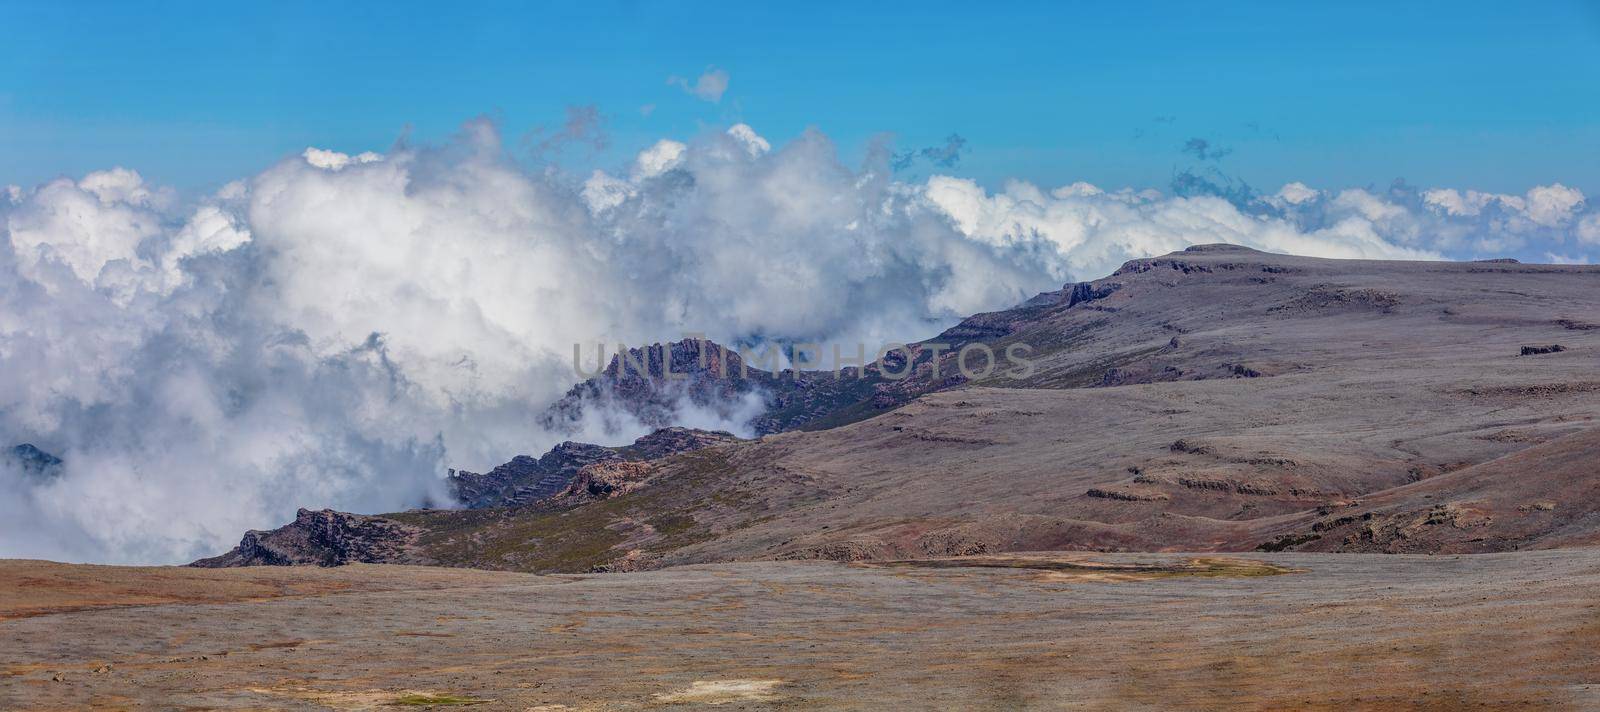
<point>1493,96</point>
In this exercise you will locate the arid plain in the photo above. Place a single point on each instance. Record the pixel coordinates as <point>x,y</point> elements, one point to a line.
<point>1314,631</point>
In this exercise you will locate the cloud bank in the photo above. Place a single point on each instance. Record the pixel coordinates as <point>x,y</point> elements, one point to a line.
<point>338,330</point>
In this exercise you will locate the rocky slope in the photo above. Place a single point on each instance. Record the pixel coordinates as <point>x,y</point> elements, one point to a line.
<point>325,538</point>
<point>569,474</point>
<point>1214,399</point>
<point>1543,497</point>
<point>525,480</point>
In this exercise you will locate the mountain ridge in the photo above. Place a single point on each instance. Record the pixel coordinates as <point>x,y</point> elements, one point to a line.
<point>1214,399</point>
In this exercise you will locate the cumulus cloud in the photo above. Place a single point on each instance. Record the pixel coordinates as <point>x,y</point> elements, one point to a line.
<point>1090,232</point>
<point>658,158</point>
<point>339,329</point>
<point>83,225</point>
<point>709,87</point>
<point>1553,205</point>
<point>1296,193</point>
<point>1543,206</point>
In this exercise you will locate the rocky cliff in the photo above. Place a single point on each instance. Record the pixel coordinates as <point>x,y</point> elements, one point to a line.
<point>324,538</point>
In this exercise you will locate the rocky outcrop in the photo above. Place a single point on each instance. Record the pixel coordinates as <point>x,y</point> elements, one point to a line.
<point>651,384</point>
<point>323,538</point>
<point>604,480</point>
<point>525,480</point>
<point>488,489</point>
<point>671,441</point>
<point>1539,350</point>
<point>1192,447</point>
<point>32,461</point>
<point>1125,495</point>
<point>1089,291</point>
<point>1326,297</point>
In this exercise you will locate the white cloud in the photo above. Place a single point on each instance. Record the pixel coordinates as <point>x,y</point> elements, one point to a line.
<point>1454,202</point>
<point>1090,232</point>
<point>1079,188</point>
<point>1553,205</point>
<point>1543,206</point>
<point>1588,230</point>
<point>603,192</point>
<point>747,137</point>
<point>333,160</point>
<point>1296,193</point>
<point>84,225</point>
<point>659,158</point>
<point>120,185</point>
<point>709,87</point>
<point>209,230</point>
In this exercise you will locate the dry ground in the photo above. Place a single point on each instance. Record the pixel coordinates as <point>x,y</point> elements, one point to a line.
<point>1041,631</point>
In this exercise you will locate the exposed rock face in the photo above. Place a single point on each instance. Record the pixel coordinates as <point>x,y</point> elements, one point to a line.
<point>33,461</point>
<point>649,383</point>
<point>525,480</point>
<point>1325,297</point>
<point>671,441</point>
<point>1126,495</point>
<point>1089,291</point>
<point>322,538</point>
<point>604,480</point>
<point>476,490</point>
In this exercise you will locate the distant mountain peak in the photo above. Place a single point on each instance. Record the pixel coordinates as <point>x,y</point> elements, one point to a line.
<point>33,461</point>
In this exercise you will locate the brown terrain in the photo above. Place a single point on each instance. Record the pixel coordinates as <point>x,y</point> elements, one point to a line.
<point>1384,475</point>
<point>1042,631</point>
